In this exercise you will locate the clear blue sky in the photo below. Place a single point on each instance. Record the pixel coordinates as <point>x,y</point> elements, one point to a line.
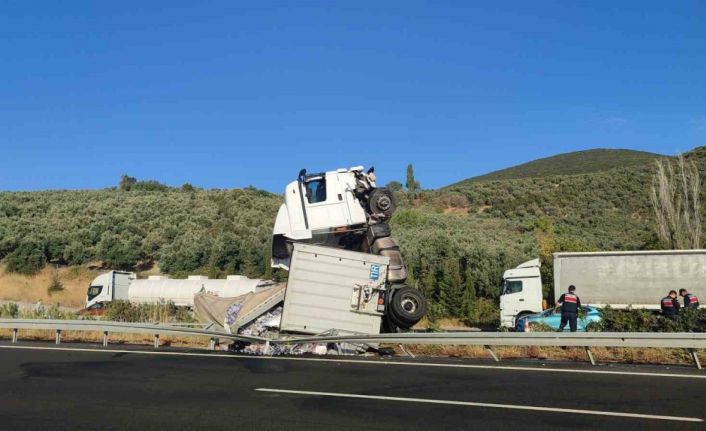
<point>227,94</point>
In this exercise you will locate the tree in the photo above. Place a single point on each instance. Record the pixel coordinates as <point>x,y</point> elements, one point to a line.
<point>675,197</point>
<point>469,292</point>
<point>394,186</point>
<point>28,258</point>
<point>412,184</point>
<point>56,285</point>
<point>126,182</point>
<point>451,289</point>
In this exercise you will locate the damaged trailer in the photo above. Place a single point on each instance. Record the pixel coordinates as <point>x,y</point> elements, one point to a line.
<point>327,290</point>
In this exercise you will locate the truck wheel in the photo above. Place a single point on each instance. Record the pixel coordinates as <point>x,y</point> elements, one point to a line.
<point>407,307</point>
<point>381,201</point>
<point>522,314</point>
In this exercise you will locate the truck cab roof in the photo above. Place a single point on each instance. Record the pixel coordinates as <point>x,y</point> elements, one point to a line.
<point>526,269</point>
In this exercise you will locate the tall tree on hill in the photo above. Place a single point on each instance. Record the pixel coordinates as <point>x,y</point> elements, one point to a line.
<point>675,196</point>
<point>412,184</point>
<point>451,288</point>
<point>126,182</point>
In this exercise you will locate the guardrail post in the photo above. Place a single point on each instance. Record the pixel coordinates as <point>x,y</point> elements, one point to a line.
<point>57,338</point>
<point>590,355</point>
<point>406,352</point>
<point>14,335</point>
<point>492,353</point>
<point>105,338</point>
<point>156,341</point>
<point>695,357</point>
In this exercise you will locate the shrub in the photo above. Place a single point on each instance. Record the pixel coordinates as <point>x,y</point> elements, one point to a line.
<point>28,258</point>
<point>625,321</point>
<point>484,313</point>
<point>10,310</point>
<point>541,327</point>
<point>124,311</point>
<point>688,320</point>
<point>55,285</point>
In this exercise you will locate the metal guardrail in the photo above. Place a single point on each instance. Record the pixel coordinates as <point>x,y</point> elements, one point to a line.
<point>106,327</point>
<point>555,339</point>
<point>680,340</point>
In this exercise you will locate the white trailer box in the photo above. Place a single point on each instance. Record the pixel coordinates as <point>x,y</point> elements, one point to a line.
<point>622,279</point>
<point>330,288</point>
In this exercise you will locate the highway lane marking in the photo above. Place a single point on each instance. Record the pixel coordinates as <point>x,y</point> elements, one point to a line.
<point>487,405</point>
<point>372,362</point>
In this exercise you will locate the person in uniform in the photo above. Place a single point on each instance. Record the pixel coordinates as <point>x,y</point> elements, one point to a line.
<point>570,305</point>
<point>670,305</point>
<point>690,300</point>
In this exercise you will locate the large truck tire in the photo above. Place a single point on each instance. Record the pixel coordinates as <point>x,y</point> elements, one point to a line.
<point>407,307</point>
<point>382,201</point>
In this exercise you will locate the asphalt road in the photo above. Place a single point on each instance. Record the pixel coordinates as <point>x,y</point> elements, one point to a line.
<point>85,388</point>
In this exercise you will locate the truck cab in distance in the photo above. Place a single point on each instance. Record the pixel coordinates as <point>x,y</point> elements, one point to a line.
<point>108,287</point>
<point>521,292</point>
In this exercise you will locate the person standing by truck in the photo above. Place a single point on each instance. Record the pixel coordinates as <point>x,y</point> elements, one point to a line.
<point>670,305</point>
<point>570,306</point>
<point>690,300</point>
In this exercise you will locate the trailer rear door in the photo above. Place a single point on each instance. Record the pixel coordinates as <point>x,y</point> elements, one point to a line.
<point>330,288</point>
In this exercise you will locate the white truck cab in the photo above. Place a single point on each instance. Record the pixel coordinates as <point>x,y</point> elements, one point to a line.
<point>521,293</point>
<point>325,208</point>
<point>108,287</point>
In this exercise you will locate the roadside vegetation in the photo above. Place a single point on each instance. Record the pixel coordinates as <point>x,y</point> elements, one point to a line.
<point>167,312</point>
<point>688,320</point>
<point>457,241</point>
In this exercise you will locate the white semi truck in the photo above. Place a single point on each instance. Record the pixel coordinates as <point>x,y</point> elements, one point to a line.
<point>121,285</point>
<point>620,279</point>
<point>341,214</point>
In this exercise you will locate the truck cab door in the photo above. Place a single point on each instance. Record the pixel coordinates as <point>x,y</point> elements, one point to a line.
<point>511,301</point>
<point>325,203</point>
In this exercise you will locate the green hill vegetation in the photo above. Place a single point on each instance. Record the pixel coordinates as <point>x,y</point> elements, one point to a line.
<point>574,163</point>
<point>457,241</point>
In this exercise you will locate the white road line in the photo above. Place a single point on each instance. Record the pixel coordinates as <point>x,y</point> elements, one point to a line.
<point>368,362</point>
<point>487,405</point>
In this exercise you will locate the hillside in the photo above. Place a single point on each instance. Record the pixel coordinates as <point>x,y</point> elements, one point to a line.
<point>574,163</point>
<point>457,241</point>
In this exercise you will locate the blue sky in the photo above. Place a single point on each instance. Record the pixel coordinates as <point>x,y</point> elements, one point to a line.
<point>227,94</point>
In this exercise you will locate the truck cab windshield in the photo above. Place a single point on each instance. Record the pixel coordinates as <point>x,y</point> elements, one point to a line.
<point>94,291</point>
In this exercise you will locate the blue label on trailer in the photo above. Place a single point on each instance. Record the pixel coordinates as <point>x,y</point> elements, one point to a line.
<point>374,271</point>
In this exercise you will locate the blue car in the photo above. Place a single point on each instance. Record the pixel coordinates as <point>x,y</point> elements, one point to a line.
<point>553,319</point>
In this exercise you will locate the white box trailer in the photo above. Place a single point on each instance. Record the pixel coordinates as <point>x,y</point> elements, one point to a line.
<point>620,279</point>
<point>637,279</point>
<point>330,288</point>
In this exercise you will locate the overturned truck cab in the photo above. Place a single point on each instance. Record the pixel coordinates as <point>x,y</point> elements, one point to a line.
<point>345,209</point>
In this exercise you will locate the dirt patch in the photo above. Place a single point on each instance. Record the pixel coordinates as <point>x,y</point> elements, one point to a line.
<point>483,209</point>
<point>32,289</point>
